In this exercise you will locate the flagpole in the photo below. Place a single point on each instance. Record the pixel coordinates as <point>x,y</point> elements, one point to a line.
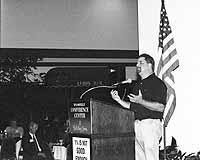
<point>164,141</point>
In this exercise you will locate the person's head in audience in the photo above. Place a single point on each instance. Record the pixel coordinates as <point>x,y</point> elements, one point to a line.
<point>33,127</point>
<point>13,123</point>
<point>13,130</point>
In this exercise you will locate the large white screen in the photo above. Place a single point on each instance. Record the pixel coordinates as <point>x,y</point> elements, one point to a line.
<point>76,24</point>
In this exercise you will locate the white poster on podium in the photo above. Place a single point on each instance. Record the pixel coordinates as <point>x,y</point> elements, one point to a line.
<point>81,148</point>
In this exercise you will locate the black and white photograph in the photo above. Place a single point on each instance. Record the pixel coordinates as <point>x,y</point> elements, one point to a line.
<point>99,80</point>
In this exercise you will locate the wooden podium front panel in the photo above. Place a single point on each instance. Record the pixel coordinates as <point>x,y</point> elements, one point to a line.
<point>116,148</point>
<point>110,119</point>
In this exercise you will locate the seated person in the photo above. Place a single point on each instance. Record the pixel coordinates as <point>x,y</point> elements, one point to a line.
<point>66,133</point>
<point>16,133</point>
<point>33,147</point>
<point>8,150</point>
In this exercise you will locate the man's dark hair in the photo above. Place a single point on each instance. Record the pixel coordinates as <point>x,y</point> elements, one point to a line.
<point>148,59</point>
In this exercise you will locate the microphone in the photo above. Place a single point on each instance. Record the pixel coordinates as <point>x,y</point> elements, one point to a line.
<point>128,81</point>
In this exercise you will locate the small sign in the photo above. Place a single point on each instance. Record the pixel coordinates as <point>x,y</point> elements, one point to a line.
<point>81,148</point>
<point>79,116</point>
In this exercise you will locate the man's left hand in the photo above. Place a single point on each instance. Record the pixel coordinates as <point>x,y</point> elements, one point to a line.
<point>136,98</point>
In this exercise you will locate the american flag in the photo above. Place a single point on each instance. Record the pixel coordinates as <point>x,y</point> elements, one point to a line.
<point>168,62</point>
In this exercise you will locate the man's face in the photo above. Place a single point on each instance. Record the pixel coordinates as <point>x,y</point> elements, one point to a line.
<point>33,128</point>
<point>142,65</point>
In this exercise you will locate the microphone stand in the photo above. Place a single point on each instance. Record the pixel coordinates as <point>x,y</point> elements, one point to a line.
<point>111,87</point>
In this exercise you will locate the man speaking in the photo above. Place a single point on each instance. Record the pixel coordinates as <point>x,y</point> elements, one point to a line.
<point>147,99</point>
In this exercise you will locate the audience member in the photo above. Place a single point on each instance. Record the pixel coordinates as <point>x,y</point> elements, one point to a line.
<point>34,148</point>
<point>16,133</point>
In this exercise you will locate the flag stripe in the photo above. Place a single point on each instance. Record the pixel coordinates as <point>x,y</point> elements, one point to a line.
<point>167,45</point>
<point>167,38</point>
<point>170,111</point>
<point>167,52</point>
<point>171,100</point>
<point>168,82</point>
<point>166,68</point>
<point>169,56</point>
<point>170,69</point>
<point>167,63</point>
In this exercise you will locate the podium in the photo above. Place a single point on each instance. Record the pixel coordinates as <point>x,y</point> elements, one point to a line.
<point>101,131</point>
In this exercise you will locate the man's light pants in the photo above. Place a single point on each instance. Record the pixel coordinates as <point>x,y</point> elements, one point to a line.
<point>147,135</point>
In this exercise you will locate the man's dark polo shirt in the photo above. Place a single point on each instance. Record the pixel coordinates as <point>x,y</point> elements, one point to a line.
<point>153,89</point>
